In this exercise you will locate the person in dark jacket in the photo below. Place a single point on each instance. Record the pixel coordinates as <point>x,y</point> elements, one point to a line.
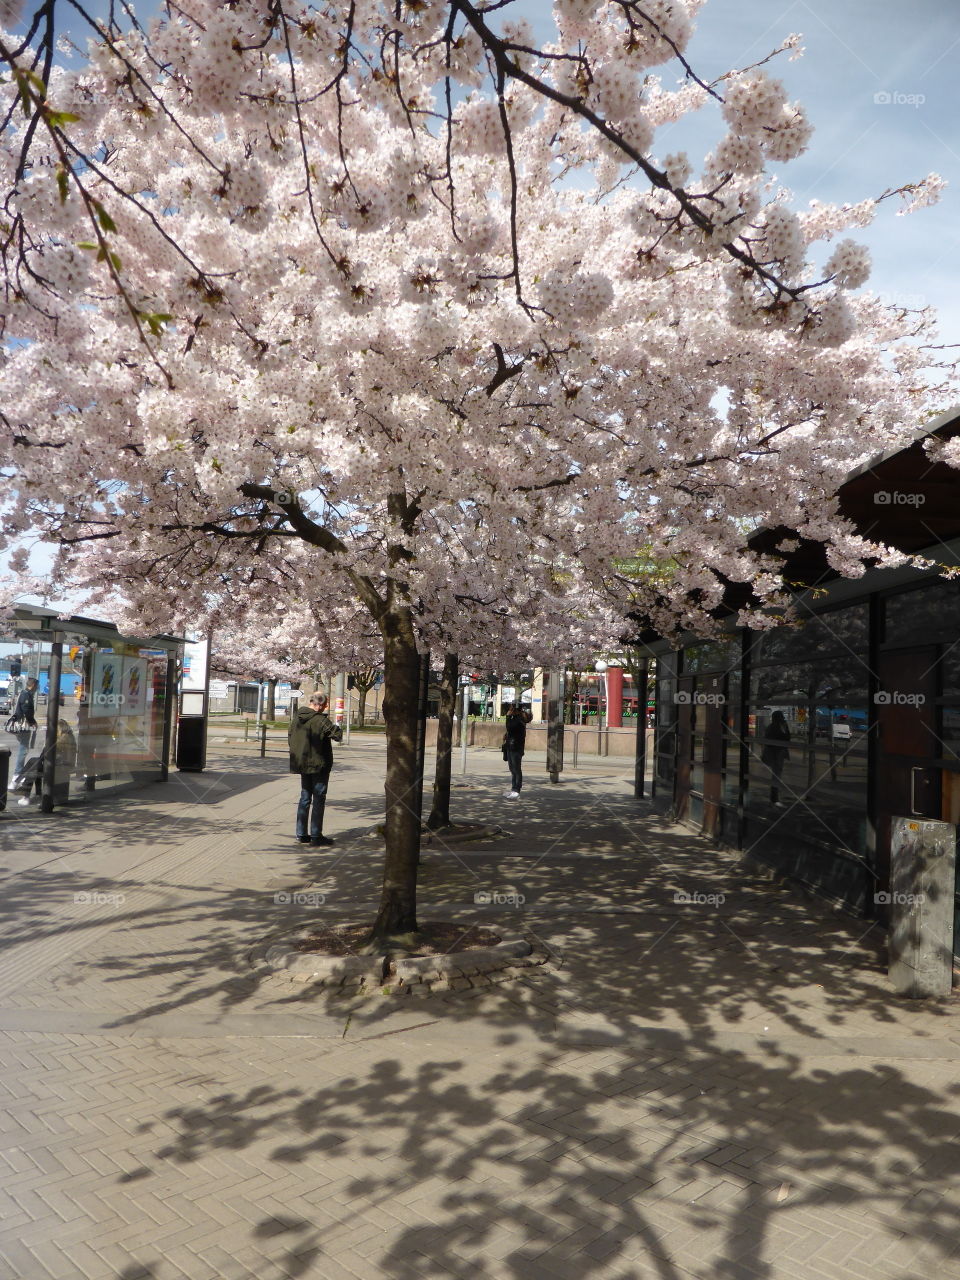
<point>513,746</point>
<point>25,711</point>
<point>776,752</point>
<point>311,736</point>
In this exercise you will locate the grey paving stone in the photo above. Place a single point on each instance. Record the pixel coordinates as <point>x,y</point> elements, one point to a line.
<point>169,1105</point>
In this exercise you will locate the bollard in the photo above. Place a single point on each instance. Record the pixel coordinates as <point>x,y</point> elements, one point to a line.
<point>246,729</point>
<point>921,906</point>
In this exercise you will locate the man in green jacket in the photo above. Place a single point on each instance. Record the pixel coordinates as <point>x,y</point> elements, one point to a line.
<point>311,755</point>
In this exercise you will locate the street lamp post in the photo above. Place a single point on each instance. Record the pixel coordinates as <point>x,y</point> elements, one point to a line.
<point>601,669</point>
<point>465,711</point>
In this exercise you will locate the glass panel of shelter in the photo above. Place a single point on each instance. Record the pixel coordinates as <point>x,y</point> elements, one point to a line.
<point>120,706</point>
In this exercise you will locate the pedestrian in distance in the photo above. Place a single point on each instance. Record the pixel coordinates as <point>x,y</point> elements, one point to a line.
<point>776,752</point>
<point>311,736</point>
<point>513,746</point>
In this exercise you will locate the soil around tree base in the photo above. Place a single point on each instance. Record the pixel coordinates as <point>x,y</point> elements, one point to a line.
<point>438,957</point>
<point>433,938</point>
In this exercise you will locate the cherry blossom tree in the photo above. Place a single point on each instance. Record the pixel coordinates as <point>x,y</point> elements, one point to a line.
<point>390,306</point>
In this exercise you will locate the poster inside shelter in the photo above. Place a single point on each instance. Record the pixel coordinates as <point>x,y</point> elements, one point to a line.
<point>134,687</point>
<point>107,684</point>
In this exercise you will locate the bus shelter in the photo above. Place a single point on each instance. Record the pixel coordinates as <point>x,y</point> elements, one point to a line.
<point>104,704</point>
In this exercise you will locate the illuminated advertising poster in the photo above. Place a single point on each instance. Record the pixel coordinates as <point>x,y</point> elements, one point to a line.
<point>134,687</point>
<point>195,664</point>
<point>106,693</point>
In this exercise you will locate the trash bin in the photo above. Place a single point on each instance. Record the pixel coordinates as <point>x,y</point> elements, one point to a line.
<point>191,744</point>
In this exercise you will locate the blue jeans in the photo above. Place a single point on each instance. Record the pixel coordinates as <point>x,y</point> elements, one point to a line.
<point>23,745</point>
<point>313,788</point>
<point>514,759</point>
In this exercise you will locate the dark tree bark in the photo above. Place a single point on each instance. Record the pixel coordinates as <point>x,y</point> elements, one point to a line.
<point>440,813</point>
<point>422,704</point>
<point>270,711</point>
<point>398,899</point>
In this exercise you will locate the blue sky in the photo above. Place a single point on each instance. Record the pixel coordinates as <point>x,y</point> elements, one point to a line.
<point>879,82</point>
<point>856,50</point>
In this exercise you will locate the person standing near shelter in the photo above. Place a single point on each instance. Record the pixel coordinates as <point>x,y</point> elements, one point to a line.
<point>24,714</point>
<point>311,736</point>
<point>513,746</point>
<point>776,752</point>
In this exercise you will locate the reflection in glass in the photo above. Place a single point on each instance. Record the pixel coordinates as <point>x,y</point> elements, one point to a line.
<point>841,632</point>
<point>732,738</point>
<point>928,615</point>
<point>824,779</point>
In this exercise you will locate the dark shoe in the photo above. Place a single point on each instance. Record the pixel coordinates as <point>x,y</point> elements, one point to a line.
<point>324,840</point>
<point>304,839</point>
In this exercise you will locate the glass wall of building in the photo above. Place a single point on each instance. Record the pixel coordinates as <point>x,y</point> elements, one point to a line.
<point>802,745</point>
<point>665,729</point>
<point>807,736</point>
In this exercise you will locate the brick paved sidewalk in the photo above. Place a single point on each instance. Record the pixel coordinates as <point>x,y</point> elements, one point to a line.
<point>685,1090</point>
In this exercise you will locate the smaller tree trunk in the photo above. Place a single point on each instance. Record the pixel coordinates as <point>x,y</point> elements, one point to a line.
<point>271,701</point>
<point>440,813</point>
<point>362,706</point>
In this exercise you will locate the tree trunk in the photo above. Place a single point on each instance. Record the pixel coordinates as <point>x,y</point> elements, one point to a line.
<point>398,899</point>
<point>271,706</point>
<point>362,707</point>
<point>440,813</point>
<point>422,704</point>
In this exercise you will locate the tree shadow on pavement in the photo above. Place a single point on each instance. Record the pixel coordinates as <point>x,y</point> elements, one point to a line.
<point>713,1089</point>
